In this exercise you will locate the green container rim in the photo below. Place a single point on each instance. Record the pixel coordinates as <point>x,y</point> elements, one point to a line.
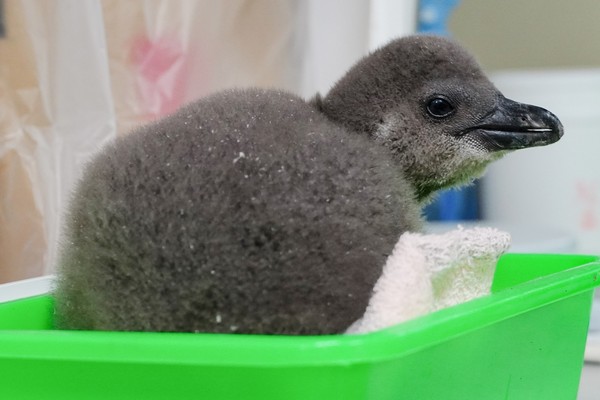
<point>264,351</point>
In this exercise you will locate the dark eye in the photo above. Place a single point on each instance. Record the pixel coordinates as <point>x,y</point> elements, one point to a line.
<point>439,107</point>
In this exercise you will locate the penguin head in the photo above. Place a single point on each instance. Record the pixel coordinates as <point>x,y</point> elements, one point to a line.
<point>427,100</point>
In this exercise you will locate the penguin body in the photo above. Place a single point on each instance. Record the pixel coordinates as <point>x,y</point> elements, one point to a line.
<point>254,211</point>
<point>225,211</point>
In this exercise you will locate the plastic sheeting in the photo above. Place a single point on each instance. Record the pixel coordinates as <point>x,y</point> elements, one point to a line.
<point>74,74</point>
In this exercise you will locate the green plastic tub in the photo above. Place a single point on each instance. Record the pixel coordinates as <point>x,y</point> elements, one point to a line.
<point>525,341</point>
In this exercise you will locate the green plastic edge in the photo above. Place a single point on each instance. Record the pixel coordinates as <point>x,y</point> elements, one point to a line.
<point>293,351</point>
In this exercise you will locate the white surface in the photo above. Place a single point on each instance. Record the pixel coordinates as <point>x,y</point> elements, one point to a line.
<point>592,351</point>
<point>331,48</point>
<point>589,388</point>
<point>557,185</point>
<point>390,19</point>
<point>26,288</point>
<point>595,325</point>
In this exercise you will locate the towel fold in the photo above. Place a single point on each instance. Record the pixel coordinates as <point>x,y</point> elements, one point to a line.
<point>428,272</point>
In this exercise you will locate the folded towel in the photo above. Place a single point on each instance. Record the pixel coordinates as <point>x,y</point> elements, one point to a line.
<point>428,272</point>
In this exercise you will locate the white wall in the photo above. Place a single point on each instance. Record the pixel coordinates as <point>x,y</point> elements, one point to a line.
<point>545,53</point>
<point>339,32</point>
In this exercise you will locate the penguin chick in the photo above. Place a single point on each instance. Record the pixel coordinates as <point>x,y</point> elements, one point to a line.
<point>254,211</point>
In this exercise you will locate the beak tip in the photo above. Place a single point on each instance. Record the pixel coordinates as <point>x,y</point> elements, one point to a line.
<point>557,127</point>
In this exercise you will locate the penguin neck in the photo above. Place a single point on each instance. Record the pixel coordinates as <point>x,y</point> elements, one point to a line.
<point>355,119</point>
<point>424,193</point>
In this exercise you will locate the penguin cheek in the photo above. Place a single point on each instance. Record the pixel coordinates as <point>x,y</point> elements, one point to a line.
<point>480,145</point>
<point>434,155</point>
<point>394,129</point>
<point>476,155</point>
<point>474,143</point>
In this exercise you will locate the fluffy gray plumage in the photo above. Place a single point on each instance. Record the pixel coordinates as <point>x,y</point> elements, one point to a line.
<point>255,211</point>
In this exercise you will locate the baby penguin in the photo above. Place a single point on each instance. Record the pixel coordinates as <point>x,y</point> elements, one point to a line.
<point>255,211</point>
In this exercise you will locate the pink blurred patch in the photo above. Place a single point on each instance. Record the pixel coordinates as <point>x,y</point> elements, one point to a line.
<point>161,69</point>
<point>587,194</point>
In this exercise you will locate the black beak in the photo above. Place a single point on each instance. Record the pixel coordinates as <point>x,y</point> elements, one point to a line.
<point>512,125</point>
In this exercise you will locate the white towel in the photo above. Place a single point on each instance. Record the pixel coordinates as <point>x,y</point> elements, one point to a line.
<point>427,272</point>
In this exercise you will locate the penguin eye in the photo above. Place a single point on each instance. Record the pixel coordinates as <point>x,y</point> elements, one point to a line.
<point>439,107</point>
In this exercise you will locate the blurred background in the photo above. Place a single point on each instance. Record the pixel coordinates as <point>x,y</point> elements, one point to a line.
<point>76,73</point>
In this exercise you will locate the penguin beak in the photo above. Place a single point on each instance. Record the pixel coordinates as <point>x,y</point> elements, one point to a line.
<point>512,125</point>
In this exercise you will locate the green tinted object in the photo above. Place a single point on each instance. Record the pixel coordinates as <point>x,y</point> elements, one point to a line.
<point>525,341</point>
